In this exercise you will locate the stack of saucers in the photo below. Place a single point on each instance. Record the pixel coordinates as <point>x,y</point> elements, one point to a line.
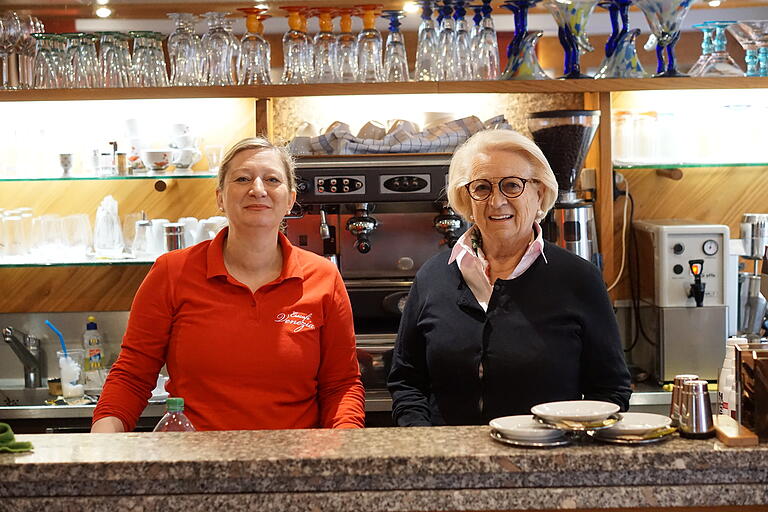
<point>524,430</point>
<point>637,428</point>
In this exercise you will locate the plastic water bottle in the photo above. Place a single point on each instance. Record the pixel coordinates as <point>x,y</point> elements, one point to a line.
<point>174,420</point>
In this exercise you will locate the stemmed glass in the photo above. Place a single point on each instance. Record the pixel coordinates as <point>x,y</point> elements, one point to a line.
<point>395,60</point>
<point>25,49</point>
<point>234,44</point>
<point>346,47</point>
<point>720,63</point>
<point>665,18</point>
<point>426,48</point>
<point>295,44</point>
<point>707,30</point>
<point>621,59</point>
<point>522,63</point>
<point>326,68</point>
<point>758,32</point>
<point>369,43</point>
<point>461,46</point>
<point>446,43</point>
<point>750,47</point>
<point>10,35</point>
<point>219,50</point>
<point>485,47</point>
<point>255,51</point>
<point>185,51</point>
<point>571,17</point>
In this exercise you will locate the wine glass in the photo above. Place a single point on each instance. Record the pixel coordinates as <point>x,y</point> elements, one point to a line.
<point>346,47</point>
<point>462,57</point>
<point>571,17</point>
<point>521,48</point>
<point>10,35</point>
<point>326,68</point>
<point>426,48</point>
<point>665,18</point>
<point>484,46</point>
<point>25,49</point>
<point>369,43</point>
<point>720,63</point>
<point>707,30</point>
<point>255,55</point>
<point>185,51</point>
<point>446,43</point>
<point>219,51</point>
<point>295,44</point>
<point>750,48</point>
<point>623,62</point>
<point>395,60</point>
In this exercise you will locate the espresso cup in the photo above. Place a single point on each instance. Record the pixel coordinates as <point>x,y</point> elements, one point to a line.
<point>696,410</point>
<point>677,389</point>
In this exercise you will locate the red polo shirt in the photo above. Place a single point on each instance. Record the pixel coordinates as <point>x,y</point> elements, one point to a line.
<point>282,357</point>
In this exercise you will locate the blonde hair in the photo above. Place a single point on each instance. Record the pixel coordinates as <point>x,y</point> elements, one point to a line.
<point>259,144</point>
<point>460,170</point>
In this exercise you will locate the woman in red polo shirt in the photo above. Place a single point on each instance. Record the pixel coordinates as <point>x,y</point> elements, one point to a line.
<point>255,333</point>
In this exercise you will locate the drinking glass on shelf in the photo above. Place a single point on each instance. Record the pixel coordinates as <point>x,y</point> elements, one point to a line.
<point>148,60</point>
<point>426,47</point>
<point>346,42</point>
<point>82,62</point>
<point>25,49</point>
<point>219,50</point>
<point>10,34</point>
<point>395,60</point>
<point>255,51</point>
<point>13,239</point>
<point>758,31</point>
<point>524,65</point>
<point>484,47</point>
<point>750,48</point>
<point>720,63</point>
<point>77,235</point>
<point>185,51</point>
<point>65,161</point>
<point>446,44</point>
<point>49,236</point>
<point>461,45</point>
<point>213,155</point>
<point>295,44</point>
<point>665,18</point>
<point>115,71</point>
<point>369,46</point>
<point>623,62</point>
<point>571,17</point>
<point>48,65</point>
<point>234,42</point>
<point>325,49</point>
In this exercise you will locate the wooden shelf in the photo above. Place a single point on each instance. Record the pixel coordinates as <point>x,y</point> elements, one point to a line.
<point>493,86</point>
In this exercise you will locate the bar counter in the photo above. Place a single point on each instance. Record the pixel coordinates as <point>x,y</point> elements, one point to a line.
<point>377,469</point>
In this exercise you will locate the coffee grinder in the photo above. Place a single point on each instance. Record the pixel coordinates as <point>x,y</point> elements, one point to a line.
<point>564,137</point>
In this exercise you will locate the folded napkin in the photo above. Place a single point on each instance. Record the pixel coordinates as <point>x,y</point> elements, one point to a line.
<point>8,441</point>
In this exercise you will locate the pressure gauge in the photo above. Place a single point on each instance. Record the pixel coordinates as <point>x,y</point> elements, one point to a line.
<point>710,247</point>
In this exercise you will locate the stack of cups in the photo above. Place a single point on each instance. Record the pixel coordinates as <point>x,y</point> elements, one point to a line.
<point>677,394</point>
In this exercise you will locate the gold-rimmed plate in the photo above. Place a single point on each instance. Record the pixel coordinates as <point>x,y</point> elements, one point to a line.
<point>581,426</point>
<point>561,441</point>
<point>633,440</point>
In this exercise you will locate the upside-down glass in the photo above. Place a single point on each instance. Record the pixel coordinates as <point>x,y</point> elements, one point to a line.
<point>461,46</point>
<point>295,44</point>
<point>707,31</point>
<point>720,63</point>
<point>185,51</point>
<point>115,71</point>
<point>571,17</point>
<point>510,186</point>
<point>346,47</point>
<point>234,43</point>
<point>148,60</point>
<point>83,62</point>
<point>25,49</point>
<point>369,47</point>
<point>48,73</point>
<point>10,35</point>
<point>325,49</point>
<point>484,47</point>
<point>758,31</point>
<point>395,60</point>
<point>446,44</point>
<point>219,50</point>
<point>665,18</point>
<point>255,51</point>
<point>426,48</point>
<point>750,48</point>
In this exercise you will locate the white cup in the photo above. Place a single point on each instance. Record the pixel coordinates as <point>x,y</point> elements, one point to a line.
<point>157,243</point>
<point>185,158</point>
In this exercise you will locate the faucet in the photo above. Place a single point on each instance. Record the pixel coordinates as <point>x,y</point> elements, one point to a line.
<point>698,286</point>
<point>28,352</point>
<point>361,226</point>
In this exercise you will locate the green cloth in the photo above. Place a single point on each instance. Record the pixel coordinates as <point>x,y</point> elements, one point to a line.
<point>8,441</point>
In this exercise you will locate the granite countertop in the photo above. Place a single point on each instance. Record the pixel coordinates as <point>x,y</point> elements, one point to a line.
<point>440,468</point>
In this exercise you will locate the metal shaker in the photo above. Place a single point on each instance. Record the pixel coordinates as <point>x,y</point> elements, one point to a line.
<point>677,391</point>
<point>696,411</point>
<point>174,236</point>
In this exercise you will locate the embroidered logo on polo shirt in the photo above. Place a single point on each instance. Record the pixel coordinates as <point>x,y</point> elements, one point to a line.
<point>300,320</point>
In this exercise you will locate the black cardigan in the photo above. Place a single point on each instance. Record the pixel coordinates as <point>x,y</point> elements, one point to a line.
<point>549,334</point>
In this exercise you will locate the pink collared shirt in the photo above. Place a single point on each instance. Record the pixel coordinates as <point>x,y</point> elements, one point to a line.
<point>473,265</point>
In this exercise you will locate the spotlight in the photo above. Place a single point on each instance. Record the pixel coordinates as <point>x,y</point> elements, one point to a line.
<point>103,12</point>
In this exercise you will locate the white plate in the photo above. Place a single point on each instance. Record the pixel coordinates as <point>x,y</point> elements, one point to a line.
<point>637,423</point>
<point>524,428</point>
<point>575,410</point>
<point>549,443</point>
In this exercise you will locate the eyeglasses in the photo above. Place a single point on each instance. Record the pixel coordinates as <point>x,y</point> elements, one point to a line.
<point>511,187</point>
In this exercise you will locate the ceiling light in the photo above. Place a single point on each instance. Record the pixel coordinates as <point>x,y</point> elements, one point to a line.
<point>102,2</point>
<point>261,6</point>
<point>714,3</point>
<point>103,12</point>
<point>410,7</point>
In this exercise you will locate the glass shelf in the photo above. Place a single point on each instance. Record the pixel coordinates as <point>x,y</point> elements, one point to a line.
<point>146,176</point>
<point>87,262</point>
<point>686,166</point>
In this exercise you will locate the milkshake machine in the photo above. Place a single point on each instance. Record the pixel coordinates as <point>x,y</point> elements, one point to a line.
<point>564,137</point>
<point>685,300</point>
<point>379,218</point>
<point>753,286</point>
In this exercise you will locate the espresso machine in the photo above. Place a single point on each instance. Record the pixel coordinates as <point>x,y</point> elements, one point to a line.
<point>564,137</point>
<point>379,218</point>
<point>685,297</point>
<point>753,286</point>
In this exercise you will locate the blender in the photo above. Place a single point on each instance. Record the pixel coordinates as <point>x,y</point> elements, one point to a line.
<point>564,137</point>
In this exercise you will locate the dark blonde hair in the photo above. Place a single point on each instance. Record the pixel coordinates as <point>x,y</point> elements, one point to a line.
<point>259,144</point>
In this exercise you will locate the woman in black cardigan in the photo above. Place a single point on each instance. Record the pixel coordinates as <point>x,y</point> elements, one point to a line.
<point>506,320</point>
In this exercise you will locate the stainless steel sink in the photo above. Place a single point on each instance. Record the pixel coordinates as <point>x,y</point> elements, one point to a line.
<point>24,397</point>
